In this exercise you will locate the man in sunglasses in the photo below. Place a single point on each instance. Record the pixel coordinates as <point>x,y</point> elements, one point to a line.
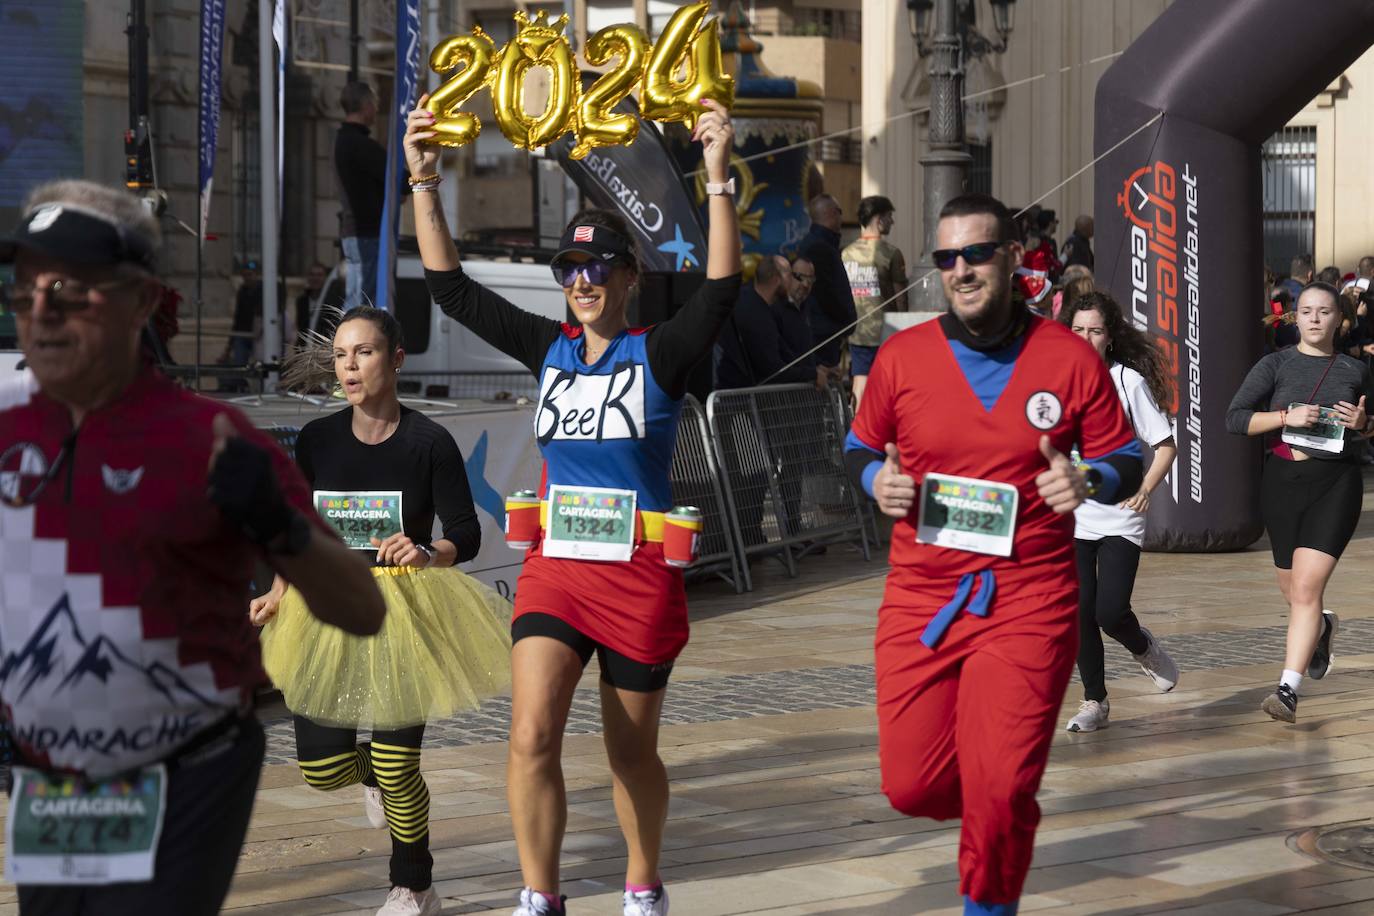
<point>961,437</point>
<point>132,513</point>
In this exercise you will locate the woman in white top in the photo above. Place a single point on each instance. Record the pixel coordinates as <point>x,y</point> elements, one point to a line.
<point>1108,538</point>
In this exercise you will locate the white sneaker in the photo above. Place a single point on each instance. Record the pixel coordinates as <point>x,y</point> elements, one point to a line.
<point>534,904</point>
<point>647,903</point>
<point>372,804</point>
<point>1092,715</point>
<point>1157,664</point>
<point>402,901</point>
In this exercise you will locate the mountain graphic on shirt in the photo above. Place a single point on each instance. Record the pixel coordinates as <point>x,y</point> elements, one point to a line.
<point>58,651</point>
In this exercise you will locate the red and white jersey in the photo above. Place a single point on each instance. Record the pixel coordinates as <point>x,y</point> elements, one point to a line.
<point>123,593</point>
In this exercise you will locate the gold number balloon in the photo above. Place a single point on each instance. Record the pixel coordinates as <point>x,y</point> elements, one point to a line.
<point>596,126</point>
<point>665,98</point>
<point>537,44</point>
<point>474,54</point>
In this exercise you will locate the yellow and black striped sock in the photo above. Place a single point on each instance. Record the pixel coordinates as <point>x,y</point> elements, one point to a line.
<point>346,769</point>
<point>406,800</point>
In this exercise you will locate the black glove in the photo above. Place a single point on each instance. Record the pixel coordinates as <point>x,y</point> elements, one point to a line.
<point>244,487</point>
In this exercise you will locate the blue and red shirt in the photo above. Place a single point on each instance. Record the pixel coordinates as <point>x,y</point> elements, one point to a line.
<point>951,409</point>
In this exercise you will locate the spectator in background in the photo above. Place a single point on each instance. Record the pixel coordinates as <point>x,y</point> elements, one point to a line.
<point>832,308</point>
<point>308,302</point>
<point>1301,272</point>
<point>1330,275</point>
<point>753,350</point>
<point>1076,281</point>
<point>360,163</point>
<point>314,304</point>
<point>1078,249</point>
<point>799,278</point>
<point>1047,224</point>
<point>877,277</point>
<point>246,329</point>
<point>1282,328</point>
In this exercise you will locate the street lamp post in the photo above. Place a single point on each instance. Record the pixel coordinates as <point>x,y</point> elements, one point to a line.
<point>946,162</point>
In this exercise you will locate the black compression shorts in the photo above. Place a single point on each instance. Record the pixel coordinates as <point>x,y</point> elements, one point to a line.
<point>1313,503</point>
<point>617,670</point>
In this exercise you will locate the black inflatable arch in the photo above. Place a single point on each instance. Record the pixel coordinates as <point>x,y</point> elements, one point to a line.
<point>1178,207</point>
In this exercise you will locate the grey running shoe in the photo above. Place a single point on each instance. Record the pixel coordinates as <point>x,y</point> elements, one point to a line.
<point>1282,704</point>
<point>647,903</point>
<point>372,804</point>
<point>1092,715</point>
<point>1322,656</point>
<point>535,904</point>
<point>402,901</point>
<point>1158,664</point>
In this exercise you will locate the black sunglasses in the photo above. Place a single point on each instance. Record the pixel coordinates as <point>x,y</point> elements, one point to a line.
<point>596,272</point>
<point>979,253</point>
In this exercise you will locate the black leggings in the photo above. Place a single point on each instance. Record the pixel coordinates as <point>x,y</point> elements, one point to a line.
<point>1106,578</point>
<point>331,758</point>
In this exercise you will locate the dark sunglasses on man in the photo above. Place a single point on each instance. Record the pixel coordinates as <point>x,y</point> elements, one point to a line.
<point>973,255</point>
<point>65,294</point>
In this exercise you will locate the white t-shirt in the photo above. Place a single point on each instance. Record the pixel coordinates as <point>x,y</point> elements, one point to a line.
<point>1093,520</point>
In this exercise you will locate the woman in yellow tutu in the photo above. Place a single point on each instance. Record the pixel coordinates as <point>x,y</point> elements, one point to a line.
<point>380,474</point>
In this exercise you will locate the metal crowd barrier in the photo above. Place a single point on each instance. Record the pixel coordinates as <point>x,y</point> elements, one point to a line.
<point>485,386</point>
<point>781,453</point>
<point>845,411</point>
<point>697,482</point>
<point>284,436</point>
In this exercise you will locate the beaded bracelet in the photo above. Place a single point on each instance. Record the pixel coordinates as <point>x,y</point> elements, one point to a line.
<point>424,179</point>
<point>1283,417</point>
<point>430,185</point>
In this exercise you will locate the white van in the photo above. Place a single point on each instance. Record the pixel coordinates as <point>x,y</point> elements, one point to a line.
<point>445,359</point>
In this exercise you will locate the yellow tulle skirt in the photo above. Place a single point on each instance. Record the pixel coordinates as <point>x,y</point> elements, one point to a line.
<point>444,647</point>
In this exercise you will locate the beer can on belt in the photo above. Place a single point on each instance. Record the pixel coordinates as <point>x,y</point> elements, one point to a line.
<point>681,535</point>
<point>522,519</point>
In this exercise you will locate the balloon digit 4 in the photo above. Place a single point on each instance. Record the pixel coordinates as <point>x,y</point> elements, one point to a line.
<point>596,126</point>
<point>474,54</point>
<point>684,43</point>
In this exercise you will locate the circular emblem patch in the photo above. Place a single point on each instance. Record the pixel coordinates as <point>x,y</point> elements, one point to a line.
<point>1043,410</point>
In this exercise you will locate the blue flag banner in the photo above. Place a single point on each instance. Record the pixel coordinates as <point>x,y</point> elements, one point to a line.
<point>407,80</point>
<point>211,59</point>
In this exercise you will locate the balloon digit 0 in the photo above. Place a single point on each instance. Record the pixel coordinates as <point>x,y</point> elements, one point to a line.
<point>537,44</point>
<point>474,54</point>
<point>596,126</point>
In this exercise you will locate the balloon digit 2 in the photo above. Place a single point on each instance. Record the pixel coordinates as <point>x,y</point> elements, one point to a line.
<point>596,126</point>
<point>474,54</point>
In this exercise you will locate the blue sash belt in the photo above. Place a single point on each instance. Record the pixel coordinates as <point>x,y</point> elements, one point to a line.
<point>979,606</point>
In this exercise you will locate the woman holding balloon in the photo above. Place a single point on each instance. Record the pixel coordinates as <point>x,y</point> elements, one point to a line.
<point>606,423</point>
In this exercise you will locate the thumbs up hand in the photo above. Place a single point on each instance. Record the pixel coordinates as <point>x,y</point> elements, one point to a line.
<point>1062,486</point>
<point>894,491</point>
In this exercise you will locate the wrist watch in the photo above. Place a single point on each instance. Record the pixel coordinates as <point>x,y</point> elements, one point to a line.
<point>714,188</point>
<point>1094,479</point>
<point>429,553</point>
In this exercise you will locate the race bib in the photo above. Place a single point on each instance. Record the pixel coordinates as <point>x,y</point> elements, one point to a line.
<point>359,517</point>
<point>964,513</point>
<point>590,523</point>
<point>67,830</point>
<point>1327,434</point>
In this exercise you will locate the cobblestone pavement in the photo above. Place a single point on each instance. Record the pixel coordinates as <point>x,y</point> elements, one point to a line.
<point>746,696</point>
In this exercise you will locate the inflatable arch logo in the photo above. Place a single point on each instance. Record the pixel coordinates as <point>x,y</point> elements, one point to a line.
<point>1160,203</point>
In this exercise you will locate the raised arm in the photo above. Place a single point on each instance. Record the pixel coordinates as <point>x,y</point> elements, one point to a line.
<point>437,251</point>
<point>717,136</point>
<point>515,332</point>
